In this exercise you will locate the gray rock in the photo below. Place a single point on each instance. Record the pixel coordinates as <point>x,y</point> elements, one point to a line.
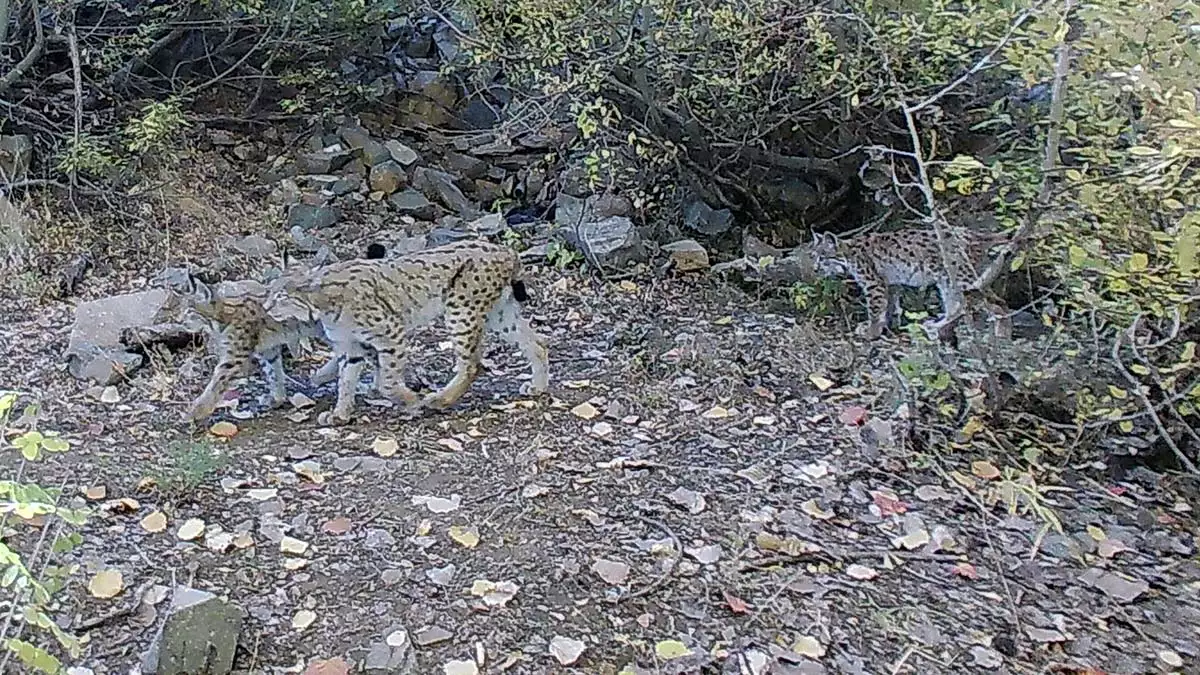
<point>439,186</point>
<point>401,153</point>
<point>570,211</point>
<point>94,350</point>
<point>369,150</point>
<point>440,236</point>
<point>346,184</point>
<point>254,246</point>
<point>312,217</point>
<point>285,193</point>
<point>250,152</point>
<point>104,366</point>
<point>388,177</point>
<point>613,242</point>
<point>687,255</point>
<point>484,226</point>
<point>412,203</point>
<point>468,166</point>
<point>199,635</point>
<point>16,153</point>
<point>431,636</point>
<point>478,114</point>
<point>699,216</point>
<point>326,160</point>
<point>393,660</point>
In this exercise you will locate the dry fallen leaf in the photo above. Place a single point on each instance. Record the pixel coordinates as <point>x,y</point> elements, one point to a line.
<point>820,382</point>
<point>861,572</point>
<point>812,508</point>
<point>807,645</point>
<point>853,416</point>
<point>262,494</point>
<point>913,540</point>
<point>705,555</point>
<point>985,470</point>
<point>340,525</point>
<point>106,584</point>
<point>736,604</point>
<point>190,529</point>
<point>155,522</point>
<point>965,570</point>
<point>494,594</point>
<point>452,444</point>
<point>611,571</point>
<point>438,504</point>
<point>585,411</point>
<point>385,447</point>
<point>223,429</point>
<point>293,546</point>
<point>334,666</point>
<point>670,649</point>
<point>96,492</point>
<point>566,650</point>
<point>689,499</point>
<point>303,619</point>
<point>461,667</point>
<point>467,537</point>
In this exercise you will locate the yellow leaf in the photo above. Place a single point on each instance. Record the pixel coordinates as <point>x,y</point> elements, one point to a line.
<point>1117,392</point>
<point>985,470</point>
<point>1126,425</point>
<point>1139,369</point>
<point>190,529</point>
<point>1076,255</point>
<point>1138,262</point>
<point>385,447</point>
<point>670,649</point>
<point>467,537</point>
<point>1096,533</point>
<point>1185,248</point>
<point>223,430</point>
<point>820,382</point>
<point>1189,351</point>
<point>106,584</point>
<point>155,522</point>
<point>808,645</point>
<point>1142,151</point>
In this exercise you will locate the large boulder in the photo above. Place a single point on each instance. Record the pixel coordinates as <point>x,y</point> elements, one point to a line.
<point>613,242</point>
<point>440,186</point>
<point>94,350</point>
<point>198,635</point>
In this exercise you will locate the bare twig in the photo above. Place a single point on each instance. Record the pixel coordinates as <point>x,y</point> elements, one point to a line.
<point>35,52</point>
<point>77,79</point>
<point>662,578</point>
<point>1139,392</point>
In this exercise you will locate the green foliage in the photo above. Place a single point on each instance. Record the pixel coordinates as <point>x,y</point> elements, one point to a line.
<point>818,298</point>
<point>562,256</point>
<point>31,593</point>
<point>187,465</point>
<point>87,155</point>
<point>160,122</point>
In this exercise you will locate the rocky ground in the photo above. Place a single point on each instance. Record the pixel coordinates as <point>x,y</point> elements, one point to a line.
<point>712,484</point>
<point>710,487</point>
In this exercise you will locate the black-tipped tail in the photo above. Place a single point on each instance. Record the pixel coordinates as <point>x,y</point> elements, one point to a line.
<point>376,251</point>
<point>519,292</point>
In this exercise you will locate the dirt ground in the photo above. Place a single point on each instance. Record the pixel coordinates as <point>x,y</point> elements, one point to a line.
<point>712,485</point>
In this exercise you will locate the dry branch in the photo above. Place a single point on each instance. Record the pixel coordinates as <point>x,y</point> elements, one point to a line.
<point>35,52</point>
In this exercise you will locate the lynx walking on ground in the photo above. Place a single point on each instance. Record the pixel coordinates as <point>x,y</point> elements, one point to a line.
<point>878,261</point>
<point>368,306</point>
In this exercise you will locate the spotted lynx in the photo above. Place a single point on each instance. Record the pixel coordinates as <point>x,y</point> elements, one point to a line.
<point>366,307</point>
<point>878,261</point>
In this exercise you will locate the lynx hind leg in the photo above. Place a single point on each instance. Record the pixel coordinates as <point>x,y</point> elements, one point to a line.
<point>506,321</point>
<point>466,332</point>
<point>237,348</point>
<point>271,362</point>
<point>350,361</point>
<point>326,373</point>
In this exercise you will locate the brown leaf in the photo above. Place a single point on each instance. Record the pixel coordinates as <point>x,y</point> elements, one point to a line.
<point>888,503</point>
<point>985,470</point>
<point>334,666</point>
<point>966,570</point>
<point>736,604</point>
<point>853,416</point>
<point>339,525</point>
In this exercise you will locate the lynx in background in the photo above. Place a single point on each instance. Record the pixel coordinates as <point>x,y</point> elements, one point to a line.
<point>368,307</point>
<point>878,261</point>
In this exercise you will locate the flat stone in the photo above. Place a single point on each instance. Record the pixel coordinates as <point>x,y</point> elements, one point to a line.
<point>199,634</point>
<point>439,186</point>
<point>699,216</point>
<point>614,242</point>
<point>388,177</point>
<point>94,350</point>
<point>312,216</point>
<point>687,255</point>
<point>401,153</point>
<point>432,636</point>
<point>410,202</point>
<point>326,160</point>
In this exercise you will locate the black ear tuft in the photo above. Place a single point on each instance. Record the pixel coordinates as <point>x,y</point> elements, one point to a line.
<point>519,292</point>
<point>375,251</point>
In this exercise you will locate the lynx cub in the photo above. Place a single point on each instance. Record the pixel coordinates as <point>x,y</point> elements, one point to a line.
<point>367,307</point>
<point>910,258</point>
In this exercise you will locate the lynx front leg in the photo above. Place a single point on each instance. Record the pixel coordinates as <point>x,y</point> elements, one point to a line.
<point>877,296</point>
<point>237,346</point>
<point>351,359</point>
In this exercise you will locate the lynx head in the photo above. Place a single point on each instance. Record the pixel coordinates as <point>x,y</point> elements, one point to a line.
<point>828,256</point>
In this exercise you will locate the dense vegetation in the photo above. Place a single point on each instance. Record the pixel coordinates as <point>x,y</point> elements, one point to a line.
<point>1073,125</point>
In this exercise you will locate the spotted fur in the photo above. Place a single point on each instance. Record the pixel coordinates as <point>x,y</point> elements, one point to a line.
<point>879,261</point>
<point>367,307</point>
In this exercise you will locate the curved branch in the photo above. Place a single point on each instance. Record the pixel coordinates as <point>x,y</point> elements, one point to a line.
<point>35,52</point>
